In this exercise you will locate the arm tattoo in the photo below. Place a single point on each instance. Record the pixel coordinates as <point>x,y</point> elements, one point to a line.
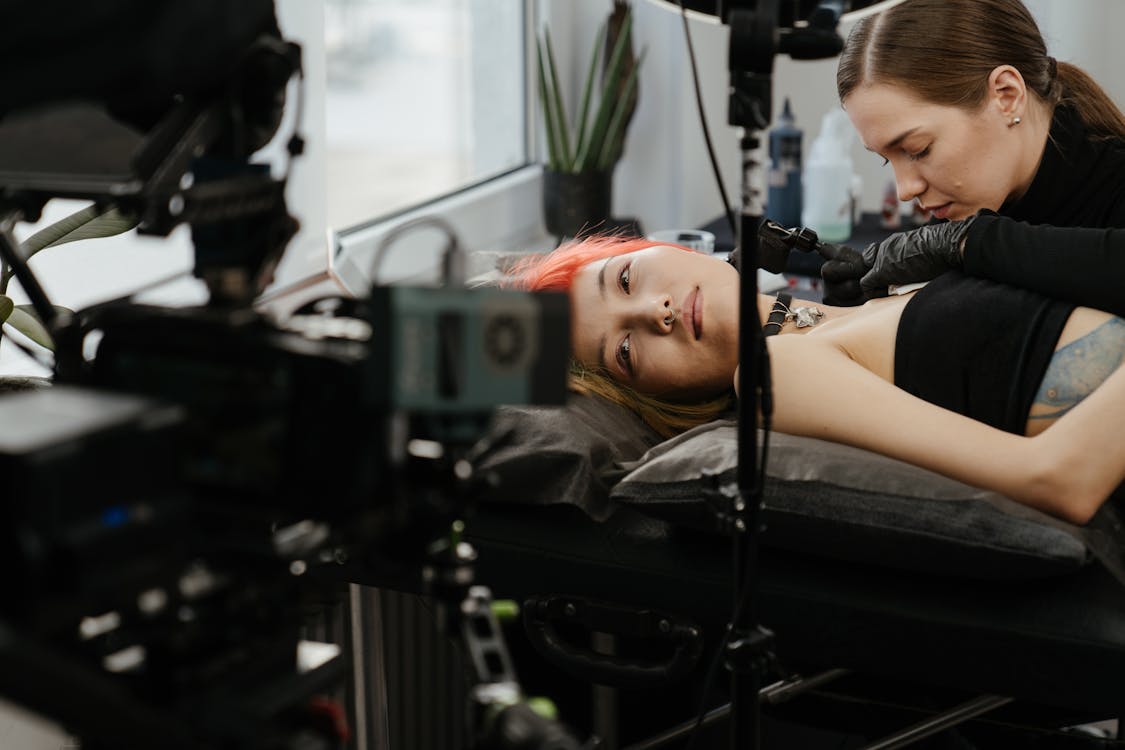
<point>1079,367</point>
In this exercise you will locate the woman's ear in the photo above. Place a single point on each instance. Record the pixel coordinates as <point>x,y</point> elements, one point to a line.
<point>1007,92</point>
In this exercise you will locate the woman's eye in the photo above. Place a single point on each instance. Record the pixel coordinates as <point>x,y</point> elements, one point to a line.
<point>623,355</point>
<point>623,277</point>
<point>919,155</point>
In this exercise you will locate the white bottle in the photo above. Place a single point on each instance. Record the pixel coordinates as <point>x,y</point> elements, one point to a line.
<point>827,180</point>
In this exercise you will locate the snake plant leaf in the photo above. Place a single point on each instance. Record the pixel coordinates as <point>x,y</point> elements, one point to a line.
<point>614,137</point>
<point>88,223</point>
<point>607,101</point>
<point>6,307</point>
<point>625,92</point>
<point>588,91</point>
<point>25,320</point>
<point>554,149</point>
<point>587,159</point>
<point>560,108</point>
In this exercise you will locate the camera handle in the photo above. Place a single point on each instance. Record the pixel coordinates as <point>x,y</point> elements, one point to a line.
<point>498,715</point>
<point>502,718</point>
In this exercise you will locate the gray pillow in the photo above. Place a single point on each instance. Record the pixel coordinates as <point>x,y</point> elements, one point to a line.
<point>572,454</point>
<point>845,503</point>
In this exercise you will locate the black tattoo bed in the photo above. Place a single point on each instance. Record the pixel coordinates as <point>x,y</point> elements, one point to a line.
<point>932,595</point>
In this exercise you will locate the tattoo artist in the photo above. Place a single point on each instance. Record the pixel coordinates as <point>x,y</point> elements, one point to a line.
<point>1024,155</point>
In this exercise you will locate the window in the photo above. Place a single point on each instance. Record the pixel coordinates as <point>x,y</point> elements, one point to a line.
<point>423,98</point>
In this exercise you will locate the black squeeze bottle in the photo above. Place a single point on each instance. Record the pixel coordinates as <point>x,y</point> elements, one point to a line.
<point>783,203</point>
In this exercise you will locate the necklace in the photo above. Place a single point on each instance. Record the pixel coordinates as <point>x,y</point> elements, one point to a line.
<point>804,316</point>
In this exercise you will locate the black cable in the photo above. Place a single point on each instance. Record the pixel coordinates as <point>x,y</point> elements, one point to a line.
<point>452,261</point>
<point>703,124</point>
<point>10,254</point>
<point>123,299</point>
<point>128,297</point>
<point>85,313</point>
<point>712,669</point>
<point>4,333</point>
<point>39,359</point>
<point>765,404</point>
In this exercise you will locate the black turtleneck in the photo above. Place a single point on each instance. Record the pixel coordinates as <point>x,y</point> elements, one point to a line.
<point>1065,238</point>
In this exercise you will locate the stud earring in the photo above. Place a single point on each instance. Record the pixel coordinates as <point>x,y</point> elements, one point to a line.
<point>1015,121</point>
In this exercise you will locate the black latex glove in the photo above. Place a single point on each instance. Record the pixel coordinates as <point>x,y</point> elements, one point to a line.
<point>919,255</point>
<point>903,258</point>
<point>842,270</point>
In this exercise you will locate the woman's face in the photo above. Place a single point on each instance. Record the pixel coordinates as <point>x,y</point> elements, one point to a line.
<point>953,161</point>
<point>662,320</point>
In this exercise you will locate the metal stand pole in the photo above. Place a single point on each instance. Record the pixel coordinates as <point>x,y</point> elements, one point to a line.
<point>747,650</point>
<point>755,38</point>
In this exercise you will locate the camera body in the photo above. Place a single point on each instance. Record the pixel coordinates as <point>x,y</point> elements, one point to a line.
<point>176,502</point>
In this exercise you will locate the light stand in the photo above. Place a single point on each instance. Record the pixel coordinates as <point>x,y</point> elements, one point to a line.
<point>755,38</point>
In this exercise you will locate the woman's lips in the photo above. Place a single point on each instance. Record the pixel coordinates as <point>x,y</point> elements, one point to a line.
<point>941,211</point>
<point>693,308</point>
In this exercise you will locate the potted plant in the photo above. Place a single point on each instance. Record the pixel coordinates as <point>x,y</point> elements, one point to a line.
<point>87,223</point>
<point>582,151</point>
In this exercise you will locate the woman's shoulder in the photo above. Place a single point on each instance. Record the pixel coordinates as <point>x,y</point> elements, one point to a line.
<point>1080,181</point>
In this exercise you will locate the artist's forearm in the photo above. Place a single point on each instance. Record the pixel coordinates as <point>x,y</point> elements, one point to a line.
<point>1076,264</point>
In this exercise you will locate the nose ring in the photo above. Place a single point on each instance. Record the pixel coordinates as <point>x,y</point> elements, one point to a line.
<point>670,318</point>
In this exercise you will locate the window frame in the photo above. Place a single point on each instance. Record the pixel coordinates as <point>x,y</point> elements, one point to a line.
<point>501,213</point>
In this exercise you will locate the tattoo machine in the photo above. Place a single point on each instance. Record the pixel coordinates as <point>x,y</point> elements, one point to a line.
<point>775,243</point>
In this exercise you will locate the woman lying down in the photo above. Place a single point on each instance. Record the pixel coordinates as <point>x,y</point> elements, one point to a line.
<point>990,385</point>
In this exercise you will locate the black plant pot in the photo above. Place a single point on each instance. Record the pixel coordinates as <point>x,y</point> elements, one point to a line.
<point>575,204</point>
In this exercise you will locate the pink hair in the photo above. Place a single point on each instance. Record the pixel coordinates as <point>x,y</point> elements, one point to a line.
<point>555,271</point>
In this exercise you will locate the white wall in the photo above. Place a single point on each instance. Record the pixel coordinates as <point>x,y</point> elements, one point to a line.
<point>666,178</point>
<point>1086,33</point>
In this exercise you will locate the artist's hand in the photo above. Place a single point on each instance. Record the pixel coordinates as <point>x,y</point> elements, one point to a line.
<point>903,258</point>
<point>919,255</point>
<point>842,270</point>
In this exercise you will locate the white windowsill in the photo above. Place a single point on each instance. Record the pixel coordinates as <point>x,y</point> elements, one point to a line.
<point>501,215</point>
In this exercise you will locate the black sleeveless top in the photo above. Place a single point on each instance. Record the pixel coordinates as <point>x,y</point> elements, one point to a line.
<point>977,347</point>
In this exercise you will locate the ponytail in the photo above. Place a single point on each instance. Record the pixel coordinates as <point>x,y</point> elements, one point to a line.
<point>1078,89</point>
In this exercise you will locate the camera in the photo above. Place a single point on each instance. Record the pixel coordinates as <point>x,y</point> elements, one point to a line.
<point>176,502</point>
